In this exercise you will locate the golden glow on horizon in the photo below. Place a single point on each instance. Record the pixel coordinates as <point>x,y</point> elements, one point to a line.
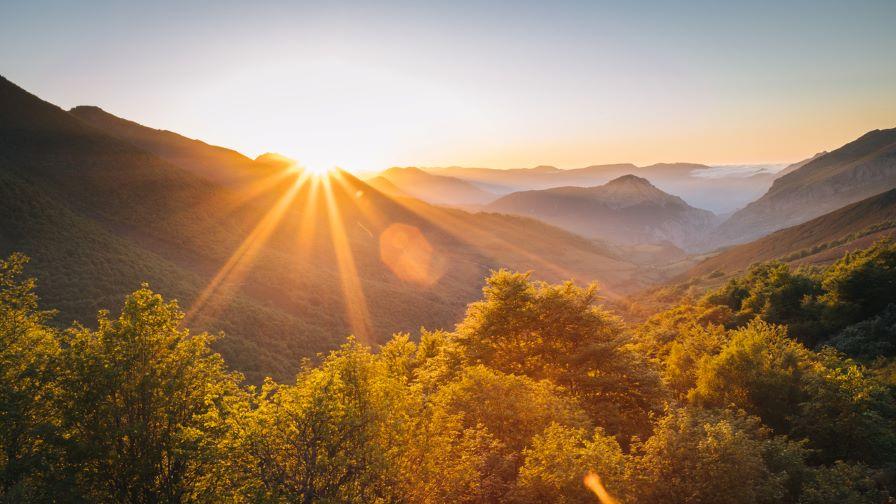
<point>319,170</point>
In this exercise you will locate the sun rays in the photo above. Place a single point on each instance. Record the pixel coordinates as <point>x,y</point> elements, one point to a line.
<point>317,206</point>
<point>314,206</point>
<point>236,266</point>
<point>353,294</point>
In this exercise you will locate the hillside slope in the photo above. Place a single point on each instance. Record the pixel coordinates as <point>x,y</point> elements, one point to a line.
<point>437,189</point>
<point>628,210</point>
<point>858,170</point>
<point>871,217</point>
<point>215,163</point>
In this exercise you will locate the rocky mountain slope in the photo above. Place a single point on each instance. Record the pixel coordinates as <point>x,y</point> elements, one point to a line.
<point>858,170</point>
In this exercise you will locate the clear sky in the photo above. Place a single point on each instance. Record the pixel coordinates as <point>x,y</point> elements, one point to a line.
<point>367,85</point>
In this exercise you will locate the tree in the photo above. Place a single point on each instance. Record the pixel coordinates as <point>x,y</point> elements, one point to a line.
<point>142,406</point>
<point>861,284</point>
<point>28,353</point>
<point>703,456</point>
<point>558,460</point>
<point>843,483</point>
<point>322,439</point>
<point>774,293</point>
<point>759,370</point>
<point>848,414</point>
<point>869,339</point>
<point>556,332</point>
<point>844,411</point>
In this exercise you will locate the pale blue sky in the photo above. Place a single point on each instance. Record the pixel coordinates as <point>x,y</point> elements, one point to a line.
<point>370,84</point>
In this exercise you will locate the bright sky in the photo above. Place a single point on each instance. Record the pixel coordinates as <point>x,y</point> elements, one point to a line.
<point>367,85</point>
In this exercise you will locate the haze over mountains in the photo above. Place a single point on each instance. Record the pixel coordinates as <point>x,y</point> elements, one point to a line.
<point>628,210</point>
<point>432,188</point>
<point>859,169</point>
<point>699,185</point>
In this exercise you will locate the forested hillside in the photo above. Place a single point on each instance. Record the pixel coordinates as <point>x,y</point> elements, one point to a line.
<point>776,388</point>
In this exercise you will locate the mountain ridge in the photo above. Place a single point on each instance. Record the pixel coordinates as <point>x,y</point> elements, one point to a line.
<point>857,170</point>
<point>874,216</point>
<point>627,210</point>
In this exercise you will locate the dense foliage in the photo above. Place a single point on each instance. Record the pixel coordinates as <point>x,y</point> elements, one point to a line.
<point>778,387</point>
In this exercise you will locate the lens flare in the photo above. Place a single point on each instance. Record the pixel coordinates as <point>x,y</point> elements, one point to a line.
<point>592,482</point>
<point>408,254</point>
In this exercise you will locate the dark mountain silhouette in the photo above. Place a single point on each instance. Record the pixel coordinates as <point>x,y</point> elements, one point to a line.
<point>285,268</point>
<point>819,240</point>
<point>627,210</point>
<point>215,163</point>
<point>858,170</point>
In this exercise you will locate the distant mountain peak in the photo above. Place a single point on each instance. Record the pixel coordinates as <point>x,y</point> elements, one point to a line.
<point>405,169</point>
<point>86,108</point>
<point>628,209</point>
<point>544,169</point>
<point>630,180</point>
<point>275,160</point>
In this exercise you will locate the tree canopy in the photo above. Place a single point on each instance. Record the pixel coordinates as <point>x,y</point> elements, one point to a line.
<point>776,387</point>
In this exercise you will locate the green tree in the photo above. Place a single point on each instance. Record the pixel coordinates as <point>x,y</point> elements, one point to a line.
<point>844,411</point>
<point>848,413</point>
<point>558,459</point>
<point>142,406</point>
<point>869,339</point>
<point>861,284</point>
<point>843,483</point>
<point>28,354</point>
<point>558,333</point>
<point>774,293</point>
<point>512,409</point>
<point>760,370</point>
<point>702,456</point>
<point>322,439</point>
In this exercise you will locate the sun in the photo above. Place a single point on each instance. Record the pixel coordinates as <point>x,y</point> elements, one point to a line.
<point>319,170</point>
